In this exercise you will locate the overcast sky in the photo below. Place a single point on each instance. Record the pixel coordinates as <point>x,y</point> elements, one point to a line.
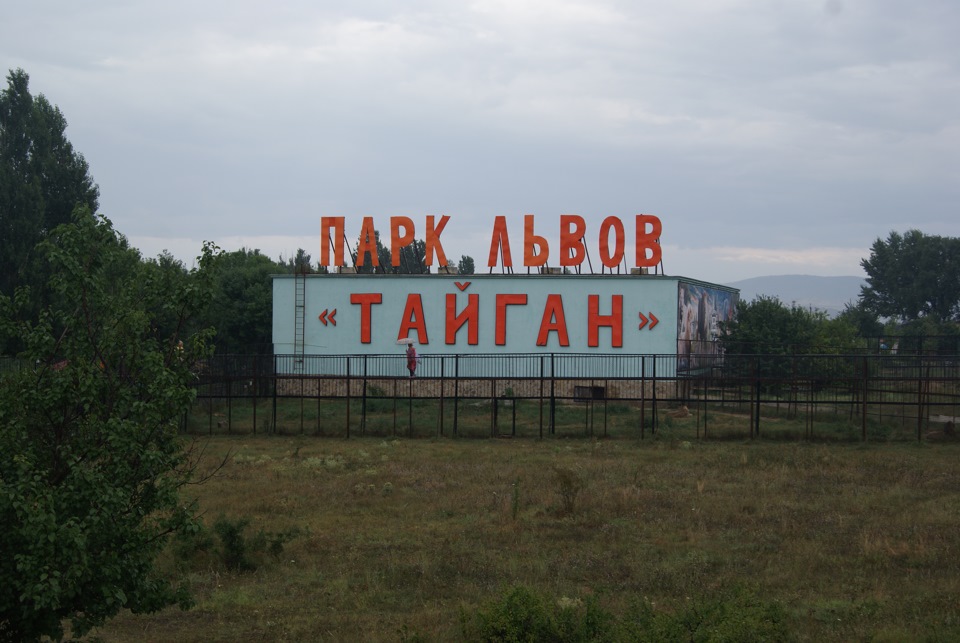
<point>770,137</point>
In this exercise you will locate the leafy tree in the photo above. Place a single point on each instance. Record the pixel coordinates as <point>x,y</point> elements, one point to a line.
<point>90,460</point>
<point>465,267</point>
<point>764,335</point>
<point>769,340</point>
<point>412,259</point>
<point>865,321</point>
<point>301,263</point>
<point>166,274</point>
<point>765,325</point>
<point>383,258</point>
<point>913,275</point>
<point>836,335</point>
<point>928,335</point>
<point>42,180</point>
<point>241,305</point>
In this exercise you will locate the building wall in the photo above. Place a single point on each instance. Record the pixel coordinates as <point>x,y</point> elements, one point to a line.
<point>416,305</point>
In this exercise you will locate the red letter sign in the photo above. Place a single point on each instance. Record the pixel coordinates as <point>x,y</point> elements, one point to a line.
<point>433,241</point>
<point>533,242</point>
<point>572,251</point>
<point>413,319</point>
<point>367,246</point>
<point>500,242</point>
<point>470,316</point>
<point>398,240</point>
<point>365,300</point>
<point>553,320</point>
<point>325,224</point>
<point>500,332</point>
<point>595,320</point>
<point>648,240</point>
<point>606,258</point>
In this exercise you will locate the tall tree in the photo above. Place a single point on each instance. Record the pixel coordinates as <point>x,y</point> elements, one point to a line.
<point>383,258</point>
<point>466,265</point>
<point>764,335</point>
<point>912,276</point>
<point>302,263</point>
<point>42,180</point>
<point>863,320</point>
<point>90,460</point>
<point>766,325</point>
<point>412,259</point>
<point>241,305</point>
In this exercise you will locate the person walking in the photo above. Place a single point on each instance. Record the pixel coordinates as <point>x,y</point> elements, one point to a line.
<point>411,359</point>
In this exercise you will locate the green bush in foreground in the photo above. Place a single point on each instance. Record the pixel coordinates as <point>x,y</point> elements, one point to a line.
<point>522,615</point>
<point>232,547</point>
<point>91,463</point>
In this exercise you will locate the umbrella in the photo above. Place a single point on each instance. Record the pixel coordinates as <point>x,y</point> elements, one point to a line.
<point>404,340</point>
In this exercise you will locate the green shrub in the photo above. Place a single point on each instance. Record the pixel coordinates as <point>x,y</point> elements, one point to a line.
<point>569,485</point>
<point>234,552</point>
<point>239,553</point>
<point>738,616</point>
<point>520,614</point>
<point>190,544</point>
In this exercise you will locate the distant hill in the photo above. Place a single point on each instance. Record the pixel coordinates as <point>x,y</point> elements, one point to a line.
<point>830,294</point>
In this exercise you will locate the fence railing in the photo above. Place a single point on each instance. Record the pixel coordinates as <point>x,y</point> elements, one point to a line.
<point>631,395</point>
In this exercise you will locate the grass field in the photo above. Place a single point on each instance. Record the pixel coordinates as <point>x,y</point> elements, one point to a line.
<point>392,539</point>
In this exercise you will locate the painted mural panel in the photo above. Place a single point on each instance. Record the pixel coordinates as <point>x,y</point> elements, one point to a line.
<point>700,311</point>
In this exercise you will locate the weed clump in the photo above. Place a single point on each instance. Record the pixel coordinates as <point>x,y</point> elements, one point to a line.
<point>569,485</point>
<point>231,548</point>
<point>735,615</point>
<point>520,614</point>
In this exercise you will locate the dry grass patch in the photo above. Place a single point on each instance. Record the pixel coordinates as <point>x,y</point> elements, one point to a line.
<point>396,538</point>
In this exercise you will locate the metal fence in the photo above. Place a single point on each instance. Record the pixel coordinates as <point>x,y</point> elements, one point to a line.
<point>575,394</point>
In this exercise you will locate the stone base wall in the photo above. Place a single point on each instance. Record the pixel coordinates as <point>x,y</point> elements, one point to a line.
<point>626,390</point>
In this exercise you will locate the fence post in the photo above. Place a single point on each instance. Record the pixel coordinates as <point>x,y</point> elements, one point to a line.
<point>494,408</point>
<point>348,395</point>
<point>920,383</point>
<point>456,393</point>
<point>866,393</point>
<point>653,402</point>
<point>755,428</point>
<point>553,399</point>
<point>541,397</point>
<point>643,395</point>
<point>443,381</point>
<point>273,417</point>
<point>363,400</point>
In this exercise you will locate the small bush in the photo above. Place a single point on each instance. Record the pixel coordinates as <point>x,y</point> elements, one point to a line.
<point>234,552</point>
<point>520,614</point>
<point>737,616</point>
<point>189,545</point>
<point>569,485</point>
<point>239,553</point>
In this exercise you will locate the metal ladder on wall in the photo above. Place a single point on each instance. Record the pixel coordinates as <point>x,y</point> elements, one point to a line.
<point>299,319</point>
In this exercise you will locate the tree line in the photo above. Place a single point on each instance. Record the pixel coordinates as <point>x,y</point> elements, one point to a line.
<point>912,292</point>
